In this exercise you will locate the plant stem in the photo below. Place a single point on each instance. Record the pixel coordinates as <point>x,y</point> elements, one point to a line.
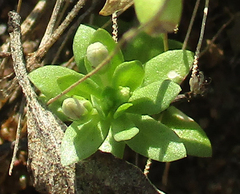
<point>51,23</point>
<point>190,25</point>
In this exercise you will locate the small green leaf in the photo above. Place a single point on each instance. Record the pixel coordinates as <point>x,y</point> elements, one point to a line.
<point>121,110</point>
<point>126,134</point>
<point>96,103</point>
<point>191,134</point>
<point>153,98</point>
<point>45,79</point>
<point>128,74</point>
<point>81,141</point>
<point>123,129</point>
<point>80,43</point>
<point>173,65</point>
<point>84,89</point>
<point>108,99</point>
<point>144,47</point>
<point>112,146</point>
<point>155,140</point>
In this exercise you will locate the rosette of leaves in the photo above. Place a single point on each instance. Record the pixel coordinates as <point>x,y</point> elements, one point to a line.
<point>114,107</point>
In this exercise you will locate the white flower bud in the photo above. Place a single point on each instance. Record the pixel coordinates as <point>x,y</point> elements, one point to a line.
<point>75,109</point>
<point>96,53</point>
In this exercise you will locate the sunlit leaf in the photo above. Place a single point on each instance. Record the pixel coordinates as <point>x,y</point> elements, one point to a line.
<point>123,129</point>
<point>128,74</point>
<point>110,145</point>
<point>173,65</point>
<point>153,98</point>
<point>191,134</point>
<point>84,89</point>
<point>45,79</point>
<point>155,140</point>
<point>81,141</point>
<point>80,43</point>
<point>121,109</point>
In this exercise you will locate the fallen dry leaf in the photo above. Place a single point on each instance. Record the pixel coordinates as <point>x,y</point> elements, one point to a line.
<point>115,5</point>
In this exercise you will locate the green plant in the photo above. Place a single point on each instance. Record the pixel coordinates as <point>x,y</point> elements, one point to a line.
<point>114,107</point>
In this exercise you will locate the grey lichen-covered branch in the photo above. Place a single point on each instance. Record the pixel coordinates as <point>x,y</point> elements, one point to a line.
<point>45,131</point>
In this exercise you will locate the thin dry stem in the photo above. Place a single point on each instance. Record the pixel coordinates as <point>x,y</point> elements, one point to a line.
<point>51,23</point>
<point>197,79</point>
<point>33,16</point>
<point>25,28</point>
<point>190,25</point>
<point>41,52</point>
<point>216,35</point>
<point>70,31</point>
<point>165,174</point>
<point>19,5</point>
<point>18,133</point>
